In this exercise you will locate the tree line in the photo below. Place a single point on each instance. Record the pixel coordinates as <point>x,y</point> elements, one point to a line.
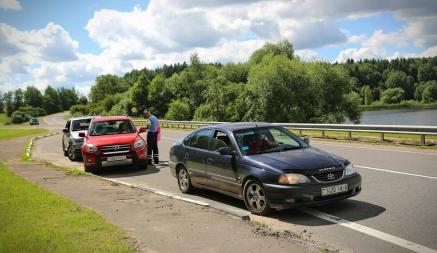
<point>274,85</point>
<point>21,105</point>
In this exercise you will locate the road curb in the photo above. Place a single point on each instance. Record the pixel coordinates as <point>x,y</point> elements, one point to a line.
<point>230,211</point>
<point>30,145</point>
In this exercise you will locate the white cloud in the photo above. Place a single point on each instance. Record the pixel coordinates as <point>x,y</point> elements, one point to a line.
<point>307,54</point>
<point>10,5</point>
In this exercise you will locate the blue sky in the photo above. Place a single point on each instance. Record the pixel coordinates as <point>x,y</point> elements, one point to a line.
<point>69,43</point>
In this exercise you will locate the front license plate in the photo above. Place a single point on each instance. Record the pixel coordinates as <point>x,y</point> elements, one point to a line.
<point>334,189</point>
<point>116,158</point>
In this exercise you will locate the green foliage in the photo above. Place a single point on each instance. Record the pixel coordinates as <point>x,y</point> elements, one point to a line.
<point>24,114</point>
<point>398,79</point>
<point>107,85</point>
<point>178,110</point>
<point>51,100</point>
<point>284,48</point>
<point>392,96</point>
<point>8,103</point>
<point>18,98</point>
<point>159,95</point>
<point>33,97</point>
<point>429,94</point>
<point>139,92</point>
<point>366,93</point>
<point>77,110</point>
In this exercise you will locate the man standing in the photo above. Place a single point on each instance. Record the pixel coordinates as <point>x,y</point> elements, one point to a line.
<point>152,138</point>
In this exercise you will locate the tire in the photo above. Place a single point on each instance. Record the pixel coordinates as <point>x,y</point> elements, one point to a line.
<point>141,165</point>
<point>184,181</point>
<point>63,149</point>
<point>72,154</point>
<point>255,198</point>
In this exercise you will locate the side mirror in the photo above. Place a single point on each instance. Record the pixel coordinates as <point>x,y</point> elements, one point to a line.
<point>82,134</point>
<point>65,130</point>
<point>306,140</point>
<point>142,130</point>
<point>226,151</point>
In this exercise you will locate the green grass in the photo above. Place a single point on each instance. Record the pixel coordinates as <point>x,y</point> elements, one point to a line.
<point>35,220</point>
<point>4,119</point>
<point>70,171</point>
<point>9,134</point>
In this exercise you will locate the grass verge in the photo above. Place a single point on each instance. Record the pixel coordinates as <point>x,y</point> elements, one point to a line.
<point>70,171</point>
<point>9,134</point>
<point>24,155</point>
<point>35,220</point>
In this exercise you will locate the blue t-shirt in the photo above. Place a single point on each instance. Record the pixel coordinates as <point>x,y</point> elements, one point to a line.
<point>153,124</point>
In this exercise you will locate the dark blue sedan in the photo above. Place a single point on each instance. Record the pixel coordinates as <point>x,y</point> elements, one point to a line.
<point>265,165</point>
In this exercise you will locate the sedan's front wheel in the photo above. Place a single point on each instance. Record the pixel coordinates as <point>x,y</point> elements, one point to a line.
<point>184,181</point>
<point>72,153</point>
<point>255,198</point>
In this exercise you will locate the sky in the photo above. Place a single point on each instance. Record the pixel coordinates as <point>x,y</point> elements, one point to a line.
<point>69,43</point>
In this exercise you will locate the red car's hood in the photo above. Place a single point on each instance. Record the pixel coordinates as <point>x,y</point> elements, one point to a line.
<point>104,140</point>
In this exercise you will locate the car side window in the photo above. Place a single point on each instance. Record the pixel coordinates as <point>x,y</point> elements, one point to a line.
<point>68,124</point>
<point>201,139</point>
<point>220,140</point>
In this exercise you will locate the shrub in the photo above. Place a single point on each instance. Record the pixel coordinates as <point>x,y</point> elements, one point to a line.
<point>24,114</point>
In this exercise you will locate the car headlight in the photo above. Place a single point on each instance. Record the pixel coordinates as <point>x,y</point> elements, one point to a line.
<point>350,169</point>
<point>139,144</point>
<point>91,148</point>
<point>293,178</point>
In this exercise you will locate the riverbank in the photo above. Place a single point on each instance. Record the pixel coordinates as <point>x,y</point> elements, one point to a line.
<point>404,105</point>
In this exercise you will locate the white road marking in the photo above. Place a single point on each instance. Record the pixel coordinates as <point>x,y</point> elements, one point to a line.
<point>396,172</point>
<point>381,149</point>
<point>369,231</point>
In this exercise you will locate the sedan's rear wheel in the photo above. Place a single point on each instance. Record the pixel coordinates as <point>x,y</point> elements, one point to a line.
<point>184,181</point>
<point>255,198</point>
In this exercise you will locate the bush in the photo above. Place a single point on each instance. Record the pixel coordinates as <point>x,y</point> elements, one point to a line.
<point>178,110</point>
<point>24,114</point>
<point>78,110</point>
<point>392,96</point>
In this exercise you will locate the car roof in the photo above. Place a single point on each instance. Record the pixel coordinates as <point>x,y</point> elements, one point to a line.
<point>241,125</point>
<point>108,118</point>
<point>83,117</point>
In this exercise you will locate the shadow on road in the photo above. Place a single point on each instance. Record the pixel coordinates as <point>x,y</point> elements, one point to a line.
<point>350,209</point>
<point>127,171</point>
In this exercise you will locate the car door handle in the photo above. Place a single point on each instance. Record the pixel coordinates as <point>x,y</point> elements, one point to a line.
<point>187,155</point>
<point>209,160</point>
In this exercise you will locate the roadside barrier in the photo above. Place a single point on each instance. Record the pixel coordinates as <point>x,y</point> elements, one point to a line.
<point>379,130</point>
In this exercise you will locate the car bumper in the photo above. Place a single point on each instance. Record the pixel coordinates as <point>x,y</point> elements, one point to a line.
<point>285,196</point>
<point>100,161</point>
<point>172,166</point>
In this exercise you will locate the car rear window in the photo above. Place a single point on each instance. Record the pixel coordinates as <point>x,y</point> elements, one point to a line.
<point>80,124</point>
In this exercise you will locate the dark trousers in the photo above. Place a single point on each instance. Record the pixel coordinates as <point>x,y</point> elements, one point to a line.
<point>152,147</point>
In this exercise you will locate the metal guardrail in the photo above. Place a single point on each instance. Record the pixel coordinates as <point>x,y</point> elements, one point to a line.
<point>421,131</point>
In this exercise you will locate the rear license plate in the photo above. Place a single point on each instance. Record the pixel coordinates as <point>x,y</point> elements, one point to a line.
<point>334,189</point>
<point>116,158</point>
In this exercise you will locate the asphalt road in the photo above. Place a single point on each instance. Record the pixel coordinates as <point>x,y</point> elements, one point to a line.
<point>395,212</point>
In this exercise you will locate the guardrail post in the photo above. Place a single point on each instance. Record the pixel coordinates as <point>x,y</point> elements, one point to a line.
<point>382,137</point>
<point>349,135</point>
<point>300,132</point>
<point>422,140</point>
<point>323,133</point>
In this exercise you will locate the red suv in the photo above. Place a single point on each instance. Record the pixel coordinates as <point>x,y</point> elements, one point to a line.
<point>113,141</point>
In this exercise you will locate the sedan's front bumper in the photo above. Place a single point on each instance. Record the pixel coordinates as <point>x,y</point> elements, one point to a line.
<point>285,196</point>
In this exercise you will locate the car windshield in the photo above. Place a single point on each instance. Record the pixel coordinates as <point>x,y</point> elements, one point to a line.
<point>267,140</point>
<point>80,125</point>
<point>111,127</point>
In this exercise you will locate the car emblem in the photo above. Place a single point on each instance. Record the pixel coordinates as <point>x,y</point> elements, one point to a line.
<point>116,147</point>
<point>331,176</point>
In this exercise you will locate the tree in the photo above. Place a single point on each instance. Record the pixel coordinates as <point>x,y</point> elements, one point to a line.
<point>366,93</point>
<point>426,72</point>
<point>1,103</point>
<point>9,103</point>
<point>398,79</point>
<point>68,97</point>
<point>159,95</point>
<point>284,48</point>
<point>18,98</point>
<point>107,85</point>
<point>33,97</point>
<point>139,94</point>
<point>429,94</point>
<point>178,110</point>
<point>392,96</point>
<point>51,100</point>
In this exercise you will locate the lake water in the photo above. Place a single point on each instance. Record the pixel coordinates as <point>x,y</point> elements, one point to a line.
<point>400,117</point>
